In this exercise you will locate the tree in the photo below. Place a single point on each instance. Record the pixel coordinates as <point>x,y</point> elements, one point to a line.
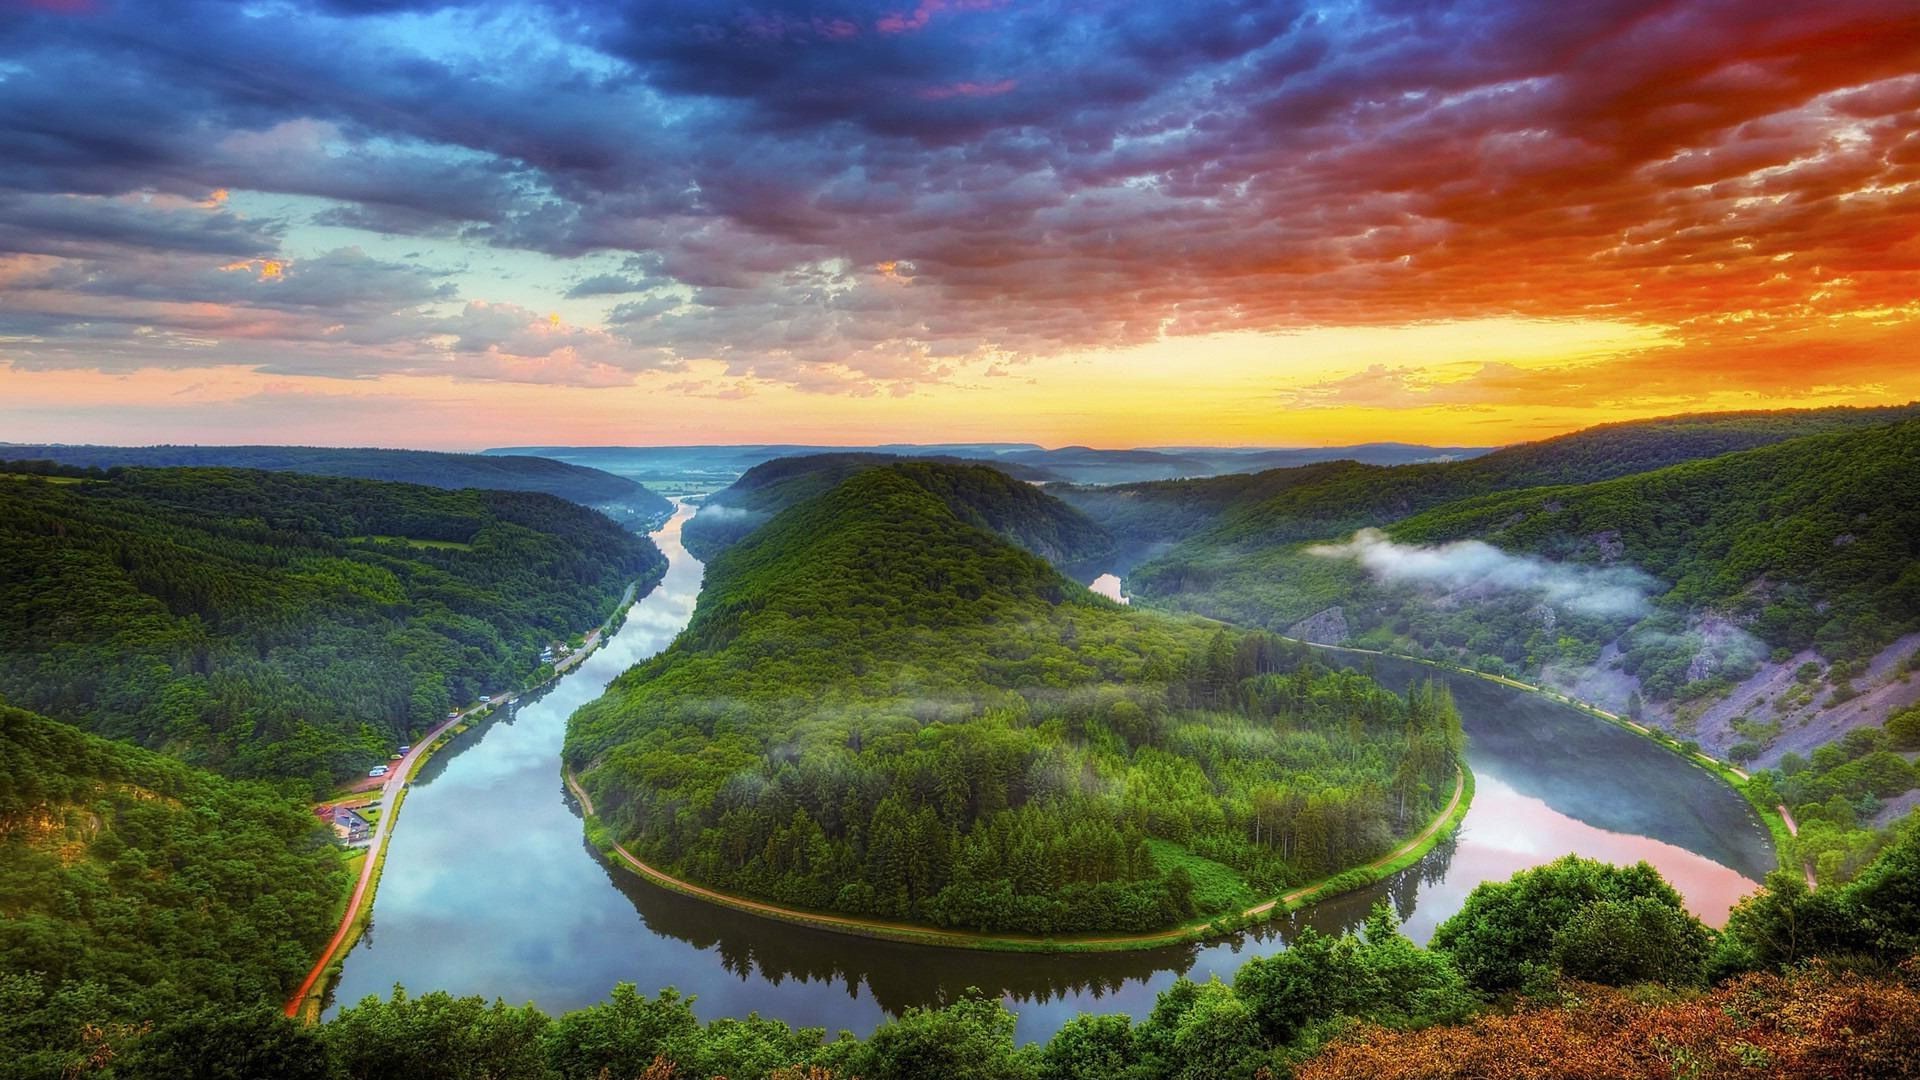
<point>971,1039</point>
<point>1089,1047</point>
<point>619,1036</point>
<point>1506,930</point>
<point>218,1045</point>
<point>1618,942</point>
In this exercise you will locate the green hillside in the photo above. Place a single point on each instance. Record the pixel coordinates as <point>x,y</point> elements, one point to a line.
<point>882,707</point>
<point>134,889</point>
<point>627,500</point>
<point>1251,513</point>
<point>1813,542</point>
<point>996,497</point>
<point>277,625</point>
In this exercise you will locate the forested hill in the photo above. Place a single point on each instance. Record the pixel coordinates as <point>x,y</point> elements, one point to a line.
<point>135,889</point>
<point>278,625</point>
<point>994,496</point>
<point>1248,513</point>
<point>1761,602</point>
<point>575,483</point>
<point>881,707</point>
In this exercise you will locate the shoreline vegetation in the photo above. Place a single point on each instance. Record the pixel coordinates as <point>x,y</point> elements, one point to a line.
<point>309,1000</point>
<point>1348,880</point>
<point>1774,816</point>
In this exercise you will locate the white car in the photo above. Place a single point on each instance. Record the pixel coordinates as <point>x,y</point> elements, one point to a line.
<point>377,770</point>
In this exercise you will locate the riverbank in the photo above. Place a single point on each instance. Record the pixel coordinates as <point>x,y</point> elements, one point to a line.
<point>1403,856</point>
<point>310,998</point>
<point>1774,817</point>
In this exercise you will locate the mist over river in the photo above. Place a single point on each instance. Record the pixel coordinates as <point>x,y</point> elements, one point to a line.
<point>490,888</point>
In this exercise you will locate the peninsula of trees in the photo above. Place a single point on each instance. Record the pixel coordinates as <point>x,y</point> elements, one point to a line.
<point>883,707</point>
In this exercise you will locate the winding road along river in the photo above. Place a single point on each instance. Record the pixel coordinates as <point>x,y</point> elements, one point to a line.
<point>490,888</point>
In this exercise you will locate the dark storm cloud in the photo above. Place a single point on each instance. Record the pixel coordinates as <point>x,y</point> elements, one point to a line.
<point>852,195</point>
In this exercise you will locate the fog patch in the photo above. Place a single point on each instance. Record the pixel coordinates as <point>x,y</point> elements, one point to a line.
<point>1601,591</point>
<point>720,512</point>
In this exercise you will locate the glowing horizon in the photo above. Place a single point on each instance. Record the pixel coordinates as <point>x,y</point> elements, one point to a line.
<point>1001,221</point>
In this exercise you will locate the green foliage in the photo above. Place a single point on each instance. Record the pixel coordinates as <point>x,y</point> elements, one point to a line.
<point>990,496</point>
<point>1385,979</point>
<point>882,707</point>
<point>494,472</point>
<point>218,1045</point>
<point>1089,1047</point>
<point>1903,728</point>
<point>1508,929</point>
<point>135,887</point>
<point>233,620</point>
<point>1833,796</point>
<point>971,1039</point>
<point>620,1036</point>
<point>438,1037</point>
<point>1809,542</point>
<point>1621,942</point>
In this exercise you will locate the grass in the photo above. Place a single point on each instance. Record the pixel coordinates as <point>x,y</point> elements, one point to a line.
<point>410,541</point>
<point>1216,886</point>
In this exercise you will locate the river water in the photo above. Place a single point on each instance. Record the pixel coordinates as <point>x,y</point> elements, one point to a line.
<point>490,888</point>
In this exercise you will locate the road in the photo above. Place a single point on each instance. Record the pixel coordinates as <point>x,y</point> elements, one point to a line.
<point>396,780</point>
<point>967,939</point>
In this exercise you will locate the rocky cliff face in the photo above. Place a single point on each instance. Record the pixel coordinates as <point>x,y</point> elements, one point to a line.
<point>1327,627</point>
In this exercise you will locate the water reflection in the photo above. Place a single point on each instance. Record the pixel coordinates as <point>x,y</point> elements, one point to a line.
<point>491,890</point>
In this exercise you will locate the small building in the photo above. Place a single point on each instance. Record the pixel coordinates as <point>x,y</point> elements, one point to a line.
<point>350,827</point>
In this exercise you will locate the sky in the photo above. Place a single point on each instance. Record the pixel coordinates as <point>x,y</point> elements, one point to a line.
<point>458,224</point>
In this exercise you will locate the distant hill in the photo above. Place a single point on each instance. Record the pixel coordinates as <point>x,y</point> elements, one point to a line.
<point>1239,515</point>
<point>1761,601</point>
<point>136,888</point>
<point>629,501</point>
<point>271,624</point>
<point>1076,464</point>
<point>883,707</point>
<point>992,494</point>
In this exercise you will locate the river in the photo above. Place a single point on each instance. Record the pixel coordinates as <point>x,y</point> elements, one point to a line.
<point>490,888</point>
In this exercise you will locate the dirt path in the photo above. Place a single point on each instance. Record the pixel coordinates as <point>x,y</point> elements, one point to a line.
<point>389,791</point>
<point>926,935</point>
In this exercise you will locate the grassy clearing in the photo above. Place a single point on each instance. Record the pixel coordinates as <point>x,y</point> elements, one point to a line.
<point>1216,886</point>
<point>410,541</point>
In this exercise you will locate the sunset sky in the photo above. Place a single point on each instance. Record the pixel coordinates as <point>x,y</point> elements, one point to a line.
<point>462,224</point>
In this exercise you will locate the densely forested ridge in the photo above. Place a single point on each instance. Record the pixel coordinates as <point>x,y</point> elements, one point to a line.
<point>1228,516</point>
<point>1808,544</point>
<point>134,888</point>
<point>1615,980</point>
<point>276,625</point>
<point>995,495</point>
<point>882,707</point>
<point>575,483</point>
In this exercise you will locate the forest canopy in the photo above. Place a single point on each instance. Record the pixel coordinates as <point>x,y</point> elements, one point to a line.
<point>275,625</point>
<point>134,887</point>
<point>883,707</point>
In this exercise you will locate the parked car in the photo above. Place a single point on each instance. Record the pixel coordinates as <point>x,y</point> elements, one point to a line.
<point>405,750</point>
<point>377,770</point>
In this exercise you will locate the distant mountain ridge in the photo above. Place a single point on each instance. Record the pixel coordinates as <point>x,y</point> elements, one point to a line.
<point>1075,464</point>
<point>575,483</point>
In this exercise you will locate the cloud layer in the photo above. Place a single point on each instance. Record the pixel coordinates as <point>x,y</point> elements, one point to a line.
<point>861,197</point>
<point>1477,566</point>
